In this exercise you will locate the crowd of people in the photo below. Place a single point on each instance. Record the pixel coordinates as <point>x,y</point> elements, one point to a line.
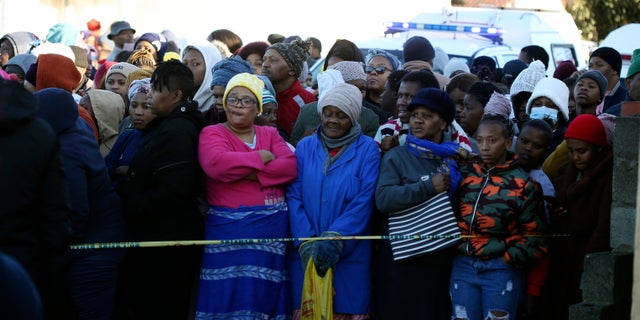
<point>149,140</point>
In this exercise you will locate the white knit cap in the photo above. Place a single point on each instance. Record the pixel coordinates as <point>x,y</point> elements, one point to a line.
<point>455,64</point>
<point>528,78</point>
<point>350,70</point>
<point>123,68</point>
<point>555,90</point>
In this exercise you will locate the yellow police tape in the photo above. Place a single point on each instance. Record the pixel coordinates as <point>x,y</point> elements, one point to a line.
<point>180,243</point>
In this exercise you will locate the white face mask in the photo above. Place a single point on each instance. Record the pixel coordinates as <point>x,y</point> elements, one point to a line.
<point>544,112</point>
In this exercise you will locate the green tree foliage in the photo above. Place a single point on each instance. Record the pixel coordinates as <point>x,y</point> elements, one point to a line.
<point>596,18</point>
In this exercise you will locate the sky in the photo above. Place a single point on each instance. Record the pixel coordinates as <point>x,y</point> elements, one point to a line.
<point>252,20</point>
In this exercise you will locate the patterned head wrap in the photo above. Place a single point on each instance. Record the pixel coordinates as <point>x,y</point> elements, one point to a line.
<point>395,63</point>
<point>139,86</point>
<point>294,53</point>
<point>137,75</point>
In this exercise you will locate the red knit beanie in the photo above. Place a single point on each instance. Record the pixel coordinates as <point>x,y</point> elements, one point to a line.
<point>98,78</point>
<point>564,70</point>
<point>587,127</point>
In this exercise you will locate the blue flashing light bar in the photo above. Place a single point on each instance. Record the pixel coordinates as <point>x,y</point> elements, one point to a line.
<point>491,33</point>
<point>443,27</point>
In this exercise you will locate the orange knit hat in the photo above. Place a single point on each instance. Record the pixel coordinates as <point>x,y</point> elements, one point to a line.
<point>57,71</point>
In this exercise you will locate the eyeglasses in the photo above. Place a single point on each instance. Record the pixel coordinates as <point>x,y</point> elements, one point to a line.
<point>245,102</point>
<point>378,70</point>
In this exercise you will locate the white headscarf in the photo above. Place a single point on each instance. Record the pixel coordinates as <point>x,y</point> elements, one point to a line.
<point>327,80</point>
<point>211,56</point>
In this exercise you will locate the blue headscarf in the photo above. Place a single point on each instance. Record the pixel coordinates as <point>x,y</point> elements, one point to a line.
<point>395,62</point>
<point>447,152</point>
<point>225,69</point>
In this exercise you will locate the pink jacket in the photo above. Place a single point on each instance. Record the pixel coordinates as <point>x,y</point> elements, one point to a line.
<point>226,161</point>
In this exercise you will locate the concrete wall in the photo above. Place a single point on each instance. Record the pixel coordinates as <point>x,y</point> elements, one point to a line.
<point>625,181</point>
<point>610,284</point>
<point>625,228</point>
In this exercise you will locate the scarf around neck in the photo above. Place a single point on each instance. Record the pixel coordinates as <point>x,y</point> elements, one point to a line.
<point>449,153</point>
<point>342,143</point>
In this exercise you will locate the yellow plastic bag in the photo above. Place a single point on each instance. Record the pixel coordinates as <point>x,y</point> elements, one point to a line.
<point>317,294</point>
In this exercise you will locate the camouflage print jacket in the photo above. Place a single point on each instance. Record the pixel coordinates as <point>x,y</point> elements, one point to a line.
<point>501,211</point>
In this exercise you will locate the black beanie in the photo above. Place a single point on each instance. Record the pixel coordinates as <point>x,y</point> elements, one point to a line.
<point>611,56</point>
<point>484,60</point>
<point>436,100</point>
<point>418,48</point>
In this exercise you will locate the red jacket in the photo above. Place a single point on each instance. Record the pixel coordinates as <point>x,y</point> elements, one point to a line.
<point>289,103</point>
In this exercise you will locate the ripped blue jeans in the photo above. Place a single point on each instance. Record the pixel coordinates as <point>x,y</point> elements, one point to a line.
<point>478,286</point>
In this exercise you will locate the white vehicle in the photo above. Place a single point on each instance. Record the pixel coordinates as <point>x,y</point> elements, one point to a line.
<point>500,33</point>
<point>473,47</point>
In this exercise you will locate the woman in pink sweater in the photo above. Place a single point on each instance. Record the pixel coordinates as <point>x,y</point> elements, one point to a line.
<point>246,168</point>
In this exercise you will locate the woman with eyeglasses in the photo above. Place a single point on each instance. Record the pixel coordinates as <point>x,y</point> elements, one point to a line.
<point>331,197</point>
<point>246,167</point>
<point>378,66</point>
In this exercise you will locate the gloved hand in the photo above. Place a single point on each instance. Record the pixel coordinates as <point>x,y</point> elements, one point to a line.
<point>327,252</point>
<point>306,251</point>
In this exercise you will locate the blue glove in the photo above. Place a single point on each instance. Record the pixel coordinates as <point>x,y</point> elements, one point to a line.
<point>327,252</point>
<point>306,251</point>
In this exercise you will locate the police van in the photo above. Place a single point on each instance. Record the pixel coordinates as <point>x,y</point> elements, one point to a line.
<point>498,32</point>
<point>465,45</point>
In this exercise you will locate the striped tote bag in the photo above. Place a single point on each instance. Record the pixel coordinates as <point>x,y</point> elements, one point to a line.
<point>426,227</point>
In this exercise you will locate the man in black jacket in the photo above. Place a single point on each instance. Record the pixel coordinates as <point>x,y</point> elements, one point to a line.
<point>160,200</point>
<point>34,204</point>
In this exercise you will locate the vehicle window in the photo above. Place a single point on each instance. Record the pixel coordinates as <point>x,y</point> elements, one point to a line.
<point>563,52</point>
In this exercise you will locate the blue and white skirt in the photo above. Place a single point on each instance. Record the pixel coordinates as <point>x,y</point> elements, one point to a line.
<point>244,281</point>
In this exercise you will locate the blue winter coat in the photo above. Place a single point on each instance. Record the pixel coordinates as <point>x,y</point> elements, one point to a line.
<point>96,211</point>
<point>340,201</point>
